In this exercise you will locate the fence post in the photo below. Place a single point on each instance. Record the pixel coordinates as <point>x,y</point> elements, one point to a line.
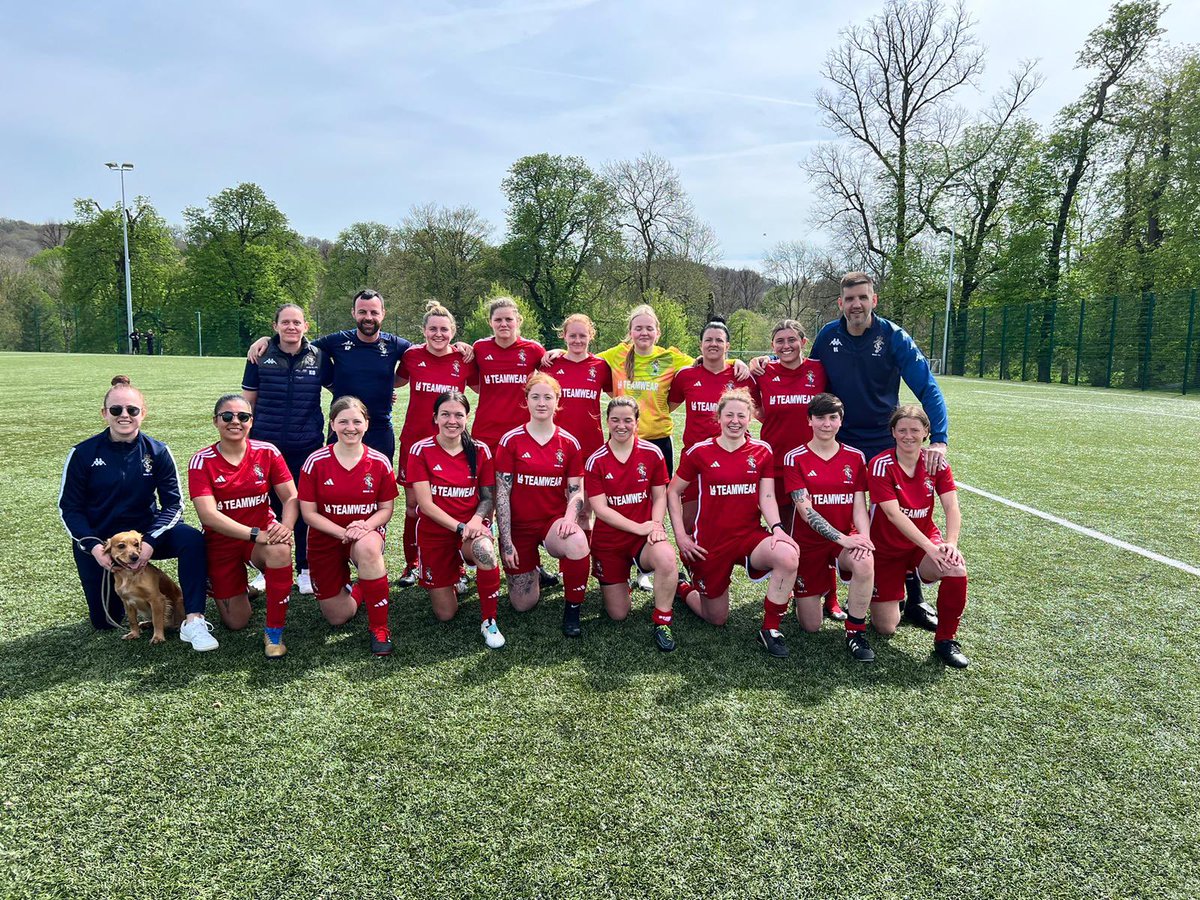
<point>982,335</point>
<point>1079,339</point>
<point>1112,342</point>
<point>1025,346</point>
<point>1004,343</point>
<point>1053,322</point>
<point>1187,348</point>
<point>932,336</point>
<point>1149,333</point>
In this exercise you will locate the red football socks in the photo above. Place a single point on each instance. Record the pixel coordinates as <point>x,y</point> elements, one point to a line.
<point>855,626</point>
<point>410,541</point>
<point>661,616</point>
<point>279,591</point>
<point>773,614</point>
<point>575,578</point>
<point>951,601</point>
<point>375,598</point>
<point>488,583</point>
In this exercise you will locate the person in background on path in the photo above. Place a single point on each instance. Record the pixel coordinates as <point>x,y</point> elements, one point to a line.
<point>149,343</point>
<point>135,342</point>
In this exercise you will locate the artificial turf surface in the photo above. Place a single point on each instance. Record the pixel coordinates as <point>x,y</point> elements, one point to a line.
<point>1063,763</point>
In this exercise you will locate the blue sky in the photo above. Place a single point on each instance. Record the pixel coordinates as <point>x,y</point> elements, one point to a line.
<point>358,111</point>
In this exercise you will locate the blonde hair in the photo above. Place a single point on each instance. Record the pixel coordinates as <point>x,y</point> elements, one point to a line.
<point>122,381</point>
<point>577,318</point>
<point>644,309</point>
<point>502,303</point>
<point>738,395</point>
<point>345,402</point>
<point>789,325</point>
<point>433,308</point>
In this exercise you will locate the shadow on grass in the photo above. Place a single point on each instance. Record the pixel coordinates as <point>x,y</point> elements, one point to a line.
<point>611,657</point>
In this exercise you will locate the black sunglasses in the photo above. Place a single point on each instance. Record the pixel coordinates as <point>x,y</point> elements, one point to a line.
<point>229,416</point>
<point>132,410</point>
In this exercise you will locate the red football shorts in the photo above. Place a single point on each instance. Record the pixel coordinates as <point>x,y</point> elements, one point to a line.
<point>890,571</point>
<point>227,561</point>
<point>611,563</point>
<point>711,576</point>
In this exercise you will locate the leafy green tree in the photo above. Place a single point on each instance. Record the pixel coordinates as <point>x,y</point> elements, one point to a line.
<point>93,280</point>
<point>243,261</point>
<point>357,260</point>
<point>442,253</point>
<point>560,227</point>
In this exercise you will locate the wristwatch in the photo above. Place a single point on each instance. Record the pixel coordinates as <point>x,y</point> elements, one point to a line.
<point>254,535</point>
<point>776,525</point>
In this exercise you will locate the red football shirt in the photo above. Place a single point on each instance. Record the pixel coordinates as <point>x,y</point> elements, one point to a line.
<point>888,481</point>
<point>625,485</point>
<point>453,488</point>
<point>783,395</point>
<point>699,390</point>
<point>540,473</point>
<point>428,376</point>
<point>502,372</point>
<point>727,485</point>
<point>831,485</point>
<point>243,491</point>
<point>347,495</point>
<point>582,383</point>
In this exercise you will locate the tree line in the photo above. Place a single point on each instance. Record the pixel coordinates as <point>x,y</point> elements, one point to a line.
<point>1097,202</point>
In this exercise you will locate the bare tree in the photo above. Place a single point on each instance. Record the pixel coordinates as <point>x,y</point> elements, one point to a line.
<point>53,234</point>
<point>796,270</point>
<point>891,91</point>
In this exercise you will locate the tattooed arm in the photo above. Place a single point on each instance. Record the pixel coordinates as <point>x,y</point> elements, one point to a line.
<point>487,502</point>
<point>803,502</point>
<point>504,481</point>
<point>569,523</point>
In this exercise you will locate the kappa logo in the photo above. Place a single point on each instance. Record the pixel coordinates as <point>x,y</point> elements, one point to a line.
<point>98,462</point>
<point>349,345</point>
<point>329,482</point>
<point>270,362</point>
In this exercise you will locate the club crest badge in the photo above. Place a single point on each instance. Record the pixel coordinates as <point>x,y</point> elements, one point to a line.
<point>928,485</point>
<point>521,357</point>
<point>654,369</point>
<point>592,373</point>
<point>147,463</point>
<point>383,349</point>
<point>455,368</point>
<point>729,386</point>
<point>848,473</point>
<point>878,346</point>
<point>559,456</point>
<point>369,482</point>
<point>641,470</point>
<point>752,463</point>
<point>810,377</point>
<point>258,472</point>
<point>309,362</point>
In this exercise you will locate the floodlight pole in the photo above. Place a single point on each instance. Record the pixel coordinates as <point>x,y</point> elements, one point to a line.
<point>122,169</point>
<point>949,289</point>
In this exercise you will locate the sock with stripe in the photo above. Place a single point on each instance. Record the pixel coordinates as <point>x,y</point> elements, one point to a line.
<point>375,598</point>
<point>488,583</point>
<point>279,591</point>
<point>951,601</point>
<point>575,578</point>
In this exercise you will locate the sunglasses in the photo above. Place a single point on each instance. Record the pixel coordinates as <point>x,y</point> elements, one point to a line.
<point>134,411</point>
<point>229,416</point>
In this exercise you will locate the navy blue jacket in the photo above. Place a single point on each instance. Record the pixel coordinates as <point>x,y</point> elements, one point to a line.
<point>110,486</point>
<point>288,409</point>
<point>865,372</point>
<point>366,370</point>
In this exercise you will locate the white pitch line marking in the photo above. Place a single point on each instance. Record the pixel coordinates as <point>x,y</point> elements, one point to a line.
<point>1090,532</point>
<point>1121,409</point>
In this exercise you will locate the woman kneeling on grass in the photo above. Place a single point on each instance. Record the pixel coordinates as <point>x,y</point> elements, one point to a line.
<point>347,496</point>
<point>734,480</point>
<point>230,484</point>
<point>453,480</point>
<point>827,482</point>
<point>906,537</point>
<point>626,483</point>
<point>539,501</point>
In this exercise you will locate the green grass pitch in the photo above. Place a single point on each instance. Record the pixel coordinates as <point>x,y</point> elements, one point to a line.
<point>1063,763</point>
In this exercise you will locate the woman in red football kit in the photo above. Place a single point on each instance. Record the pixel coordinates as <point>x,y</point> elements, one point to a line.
<point>783,391</point>
<point>504,361</point>
<point>906,537</point>
<point>626,484</point>
<point>347,496</point>
<point>230,484</point>
<point>539,501</point>
<point>583,377</point>
<point>454,480</point>
<point>735,487</point>
<point>429,370</point>
<point>827,482</point>
<point>700,388</point>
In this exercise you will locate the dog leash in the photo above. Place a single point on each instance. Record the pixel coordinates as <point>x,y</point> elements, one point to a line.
<point>106,586</point>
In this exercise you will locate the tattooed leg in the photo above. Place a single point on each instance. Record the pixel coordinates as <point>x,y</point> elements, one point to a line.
<point>523,591</point>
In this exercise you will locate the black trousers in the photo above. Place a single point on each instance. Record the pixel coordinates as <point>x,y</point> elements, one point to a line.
<point>295,461</point>
<point>668,451</point>
<point>183,542</point>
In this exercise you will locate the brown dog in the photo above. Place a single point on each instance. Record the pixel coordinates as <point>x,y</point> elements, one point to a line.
<point>147,590</point>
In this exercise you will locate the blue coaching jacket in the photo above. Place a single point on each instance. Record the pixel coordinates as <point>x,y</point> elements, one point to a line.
<point>110,486</point>
<point>288,409</point>
<point>865,372</point>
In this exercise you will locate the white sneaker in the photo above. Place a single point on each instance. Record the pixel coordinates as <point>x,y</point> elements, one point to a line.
<point>259,584</point>
<point>198,633</point>
<point>461,587</point>
<point>645,582</point>
<point>491,634</point>
<point>304,582</point>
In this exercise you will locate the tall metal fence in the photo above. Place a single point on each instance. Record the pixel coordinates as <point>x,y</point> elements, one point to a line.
<point>1147,342</point>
